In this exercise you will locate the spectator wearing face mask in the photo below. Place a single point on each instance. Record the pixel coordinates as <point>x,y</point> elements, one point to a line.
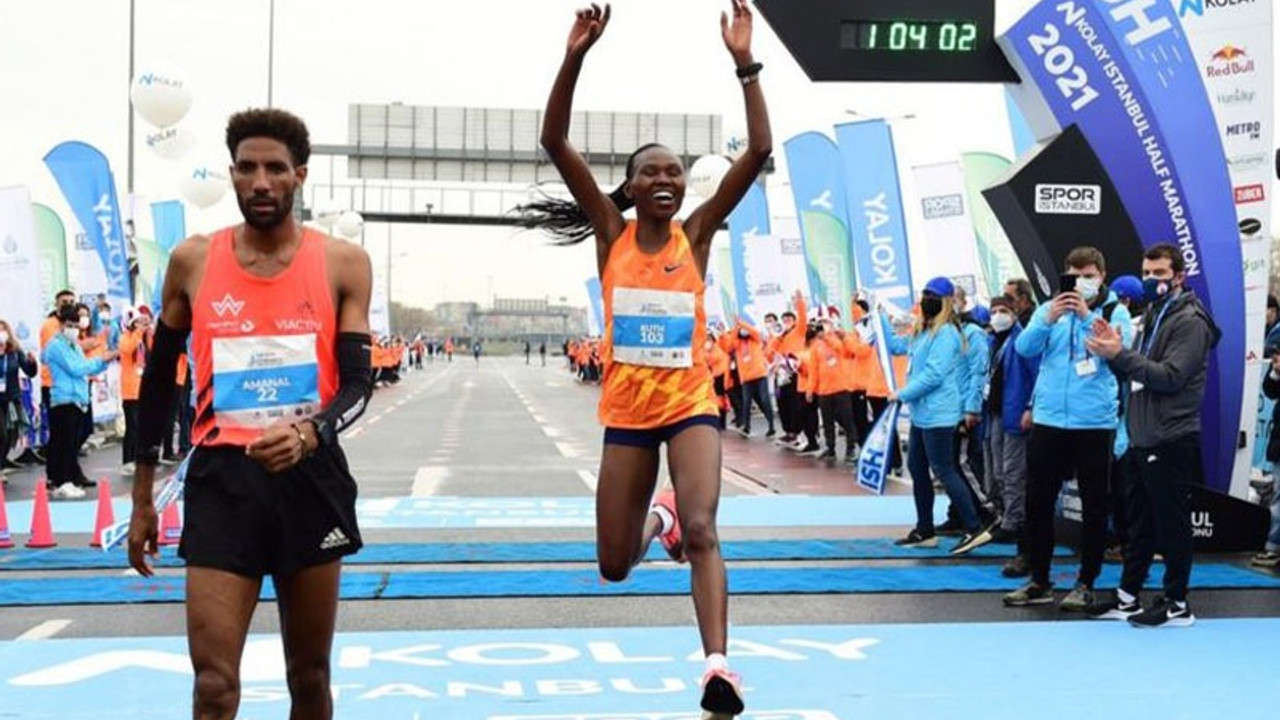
<point>1009,384</point>
<point>69,402</point>
<point>1075,409</point>
<point>13,359</point>
<point>753,373</point>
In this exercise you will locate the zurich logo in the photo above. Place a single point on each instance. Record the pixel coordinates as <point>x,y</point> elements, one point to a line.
<point>227,306</point>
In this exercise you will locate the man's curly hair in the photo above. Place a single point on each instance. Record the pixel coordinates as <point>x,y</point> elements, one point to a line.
<point>270,123</point>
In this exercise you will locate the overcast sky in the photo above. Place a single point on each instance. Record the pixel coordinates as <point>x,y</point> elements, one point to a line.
<point>64,75</point>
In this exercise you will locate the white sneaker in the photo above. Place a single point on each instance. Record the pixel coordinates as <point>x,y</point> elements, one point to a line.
<point>128,468</point>
<point>66,491</point>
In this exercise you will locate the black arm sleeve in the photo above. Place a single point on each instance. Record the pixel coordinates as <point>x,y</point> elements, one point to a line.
<point>355,385</point>
<point>155,397</point>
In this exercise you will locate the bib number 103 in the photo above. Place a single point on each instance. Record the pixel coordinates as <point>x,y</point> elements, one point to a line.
<point>1060,61</point>
<point>651,334</point>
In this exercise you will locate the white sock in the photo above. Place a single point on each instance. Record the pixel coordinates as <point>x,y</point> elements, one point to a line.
<point>716,661</point>
<point>1125,597</point>
<point>664,519</point>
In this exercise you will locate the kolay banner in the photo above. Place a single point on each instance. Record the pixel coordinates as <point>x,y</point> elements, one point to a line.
<point>20,303</point>
<point>757,271</point>
<point>876,222</point>
<point>947,245</point>
<point>817,186</point>
<point>1122,71</point>
<point>83,174</point>
<point>1234,49</point>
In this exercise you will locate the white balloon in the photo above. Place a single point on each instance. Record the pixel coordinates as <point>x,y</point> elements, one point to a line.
<point>350,224</point>
<point>706,174</point>
<point>204,183</point>
<point>171,143</point>
<point>735,140</point>
<point>160,94</point>
<point>326,212</point>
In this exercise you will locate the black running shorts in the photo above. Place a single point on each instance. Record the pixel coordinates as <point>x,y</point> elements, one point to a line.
<point>243,519</point>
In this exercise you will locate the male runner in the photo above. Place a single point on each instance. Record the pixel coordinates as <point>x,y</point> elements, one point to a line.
<point>279,317</point>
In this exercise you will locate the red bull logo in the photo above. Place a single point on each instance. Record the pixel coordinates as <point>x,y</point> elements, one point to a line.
<point>1229,62</point>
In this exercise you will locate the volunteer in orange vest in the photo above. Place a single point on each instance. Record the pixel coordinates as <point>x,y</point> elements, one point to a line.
<point>753,372</point>
<point>783,352</point>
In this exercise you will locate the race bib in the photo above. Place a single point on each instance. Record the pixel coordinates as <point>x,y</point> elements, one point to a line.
<point>1086,367</point>
<point>653,328</point>
<point>258,381</point>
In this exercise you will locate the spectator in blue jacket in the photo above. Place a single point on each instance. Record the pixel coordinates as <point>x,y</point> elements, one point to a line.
<point>933,393</point>
<point>13,359</point>
<point>1008,394</point>
<point>68,404</point>
<point>1075,408</point>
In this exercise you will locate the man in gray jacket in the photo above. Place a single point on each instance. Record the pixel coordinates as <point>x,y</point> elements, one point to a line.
<point>1166,370</point>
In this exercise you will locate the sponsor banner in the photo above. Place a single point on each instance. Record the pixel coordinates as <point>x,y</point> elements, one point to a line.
<point>51,253</point>
<point>722,258</point>
<point>104,394</point>
<point>765,278</point>
<point>874,204</point>
<point>595,308</point>
<point>170,223</point>
<point>817,186</point>
<point>749,225</point>
<point>84,175</point>
<point>20,300</point>
<point>153,261</point>
<point>947,245</point>
<point>379,312</point>
<point>89,277</point>
<point>996,255</point>
<point>1234,49</point>
<point>712,299</point>
<point>795,270</point>
<point>1023,138</point>
<point>1054,199</point>
<point>1123,72</point>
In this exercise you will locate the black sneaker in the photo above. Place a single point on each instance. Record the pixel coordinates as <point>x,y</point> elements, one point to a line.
<point>1113,609</point>
<point>771,433</point>
<point>1019,566</point>
<point>827,455</point>
<point>10,465</point>
<point>810,448</point>
<point>918,539</point>
<point>1030,594</point>
<point>972,541</point>
<point>952,527</point>
<point>84,482</point>
<point>1165,613</point>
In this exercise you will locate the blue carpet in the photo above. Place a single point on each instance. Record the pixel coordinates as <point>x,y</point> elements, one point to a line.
<point>577,583</point>
<point>548,552</point>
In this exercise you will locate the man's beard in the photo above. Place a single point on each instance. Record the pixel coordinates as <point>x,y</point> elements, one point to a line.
<point>270,222</point>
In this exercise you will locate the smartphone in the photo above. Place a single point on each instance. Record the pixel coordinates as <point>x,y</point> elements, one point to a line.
<point>1066,283</point>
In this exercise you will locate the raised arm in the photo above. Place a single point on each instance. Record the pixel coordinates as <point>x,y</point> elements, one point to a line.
<point>605,217</point>
<point>703,222</point>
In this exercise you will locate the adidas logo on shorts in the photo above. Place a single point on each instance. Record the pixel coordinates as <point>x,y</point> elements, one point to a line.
<point>334,539</point>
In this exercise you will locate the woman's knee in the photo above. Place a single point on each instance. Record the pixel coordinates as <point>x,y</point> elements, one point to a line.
<point>217,693</point>
<point>309,677</point>
<point>698,535</point>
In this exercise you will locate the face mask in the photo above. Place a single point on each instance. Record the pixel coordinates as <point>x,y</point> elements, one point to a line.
<point>930,306</point>
<point>71,333</point>
<point>104,316</point>
<point>1001,322</point>
<point>84,322</point>
<point>1088,287</point>
<point>4,338</point>
<point>1154,289</point>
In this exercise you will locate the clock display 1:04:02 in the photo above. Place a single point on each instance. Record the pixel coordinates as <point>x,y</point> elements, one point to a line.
<point>908,35</point>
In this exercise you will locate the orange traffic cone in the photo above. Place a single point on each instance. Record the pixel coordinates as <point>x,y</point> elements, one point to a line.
<point>41,525</point>
<point>106,513</point>
<point>6,540</point>
<point>170,525</point>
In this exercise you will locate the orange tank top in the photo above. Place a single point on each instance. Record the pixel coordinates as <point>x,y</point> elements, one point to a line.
<point>655,369</point>
<point>264,347</point>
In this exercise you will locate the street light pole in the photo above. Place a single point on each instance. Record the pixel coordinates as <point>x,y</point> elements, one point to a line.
<point>129,183</point>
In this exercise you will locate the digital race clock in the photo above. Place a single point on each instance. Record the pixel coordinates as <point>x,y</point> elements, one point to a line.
<point>891,40</point>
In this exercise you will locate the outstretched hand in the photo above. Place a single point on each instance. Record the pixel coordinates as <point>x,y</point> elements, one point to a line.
<point>737,35</point>
<point>587,28</point>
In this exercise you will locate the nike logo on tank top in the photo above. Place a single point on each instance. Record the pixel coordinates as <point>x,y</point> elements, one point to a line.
<point>264,346</point>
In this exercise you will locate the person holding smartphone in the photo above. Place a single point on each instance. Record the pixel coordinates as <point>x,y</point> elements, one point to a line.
<point>1074,410</point>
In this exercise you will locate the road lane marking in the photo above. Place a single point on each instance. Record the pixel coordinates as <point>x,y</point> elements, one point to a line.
<point>428,480</point>
<point>589,478</point>
<point>44,630</point>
